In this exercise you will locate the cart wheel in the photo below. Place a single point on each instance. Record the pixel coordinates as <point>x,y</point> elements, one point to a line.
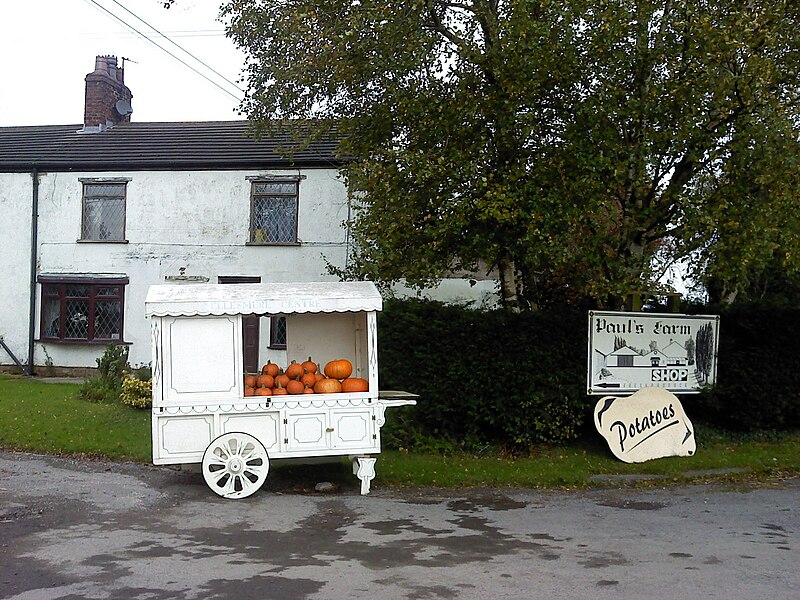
<point>235,465</point>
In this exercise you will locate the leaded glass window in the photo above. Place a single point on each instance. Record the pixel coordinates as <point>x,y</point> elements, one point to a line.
<point>82,310</point>
<point>277,332</point>
<point>103,211</point>
<point>274,212</point>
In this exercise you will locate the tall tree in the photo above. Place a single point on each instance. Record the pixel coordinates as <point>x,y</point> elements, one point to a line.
<point>570,146</point>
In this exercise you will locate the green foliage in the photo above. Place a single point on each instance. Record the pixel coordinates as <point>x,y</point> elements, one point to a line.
<point>575,147</point>
<point>758,373</point>
<point>498,378</point>
<point>112,367</point>
<point>137,393</point>
<point>530,389</point>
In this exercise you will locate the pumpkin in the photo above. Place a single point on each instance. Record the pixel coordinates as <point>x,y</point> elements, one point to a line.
<point>248,391</point>
<point>282,380</point>
<point>294,370</point>
<point>308,379</point>
<point>318,377</point>
<point>295,387</point>
<point>263,391</point>
<point>279,390</point>
<point>309,366</point>
<point>339,369</point>
<point>265,381</point>
<point>328,386</point>
<point>270,369</point>
<point>308,390</point>
<point>355,384</point>
<point>250,381</point>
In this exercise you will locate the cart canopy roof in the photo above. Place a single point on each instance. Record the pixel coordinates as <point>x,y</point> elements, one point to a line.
<point>261,298</point>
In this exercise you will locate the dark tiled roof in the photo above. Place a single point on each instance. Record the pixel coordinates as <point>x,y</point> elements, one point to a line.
<point>153,146</point>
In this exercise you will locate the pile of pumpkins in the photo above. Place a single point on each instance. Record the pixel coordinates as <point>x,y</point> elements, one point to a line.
<point>304,378</point>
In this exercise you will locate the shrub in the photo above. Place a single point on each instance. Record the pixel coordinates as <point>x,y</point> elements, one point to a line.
<point>758,370</point>
<point>137,393</point>
<point>106,386</point>
<point>484,377</point>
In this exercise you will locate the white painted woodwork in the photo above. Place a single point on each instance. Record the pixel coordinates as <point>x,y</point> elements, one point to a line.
<point>198,394</point>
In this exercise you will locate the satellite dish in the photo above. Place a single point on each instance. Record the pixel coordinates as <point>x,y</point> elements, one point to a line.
<point>123,107</point>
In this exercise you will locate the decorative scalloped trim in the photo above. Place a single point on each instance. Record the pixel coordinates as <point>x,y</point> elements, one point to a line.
<point>272,405</point>
<point>177,312</point>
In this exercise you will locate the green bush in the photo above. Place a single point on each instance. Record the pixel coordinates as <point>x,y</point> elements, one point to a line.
<point>518,380</point>
<point>136,392</point>
<point>758,370</point>
<point>484,377</point>
<point>106,386</point>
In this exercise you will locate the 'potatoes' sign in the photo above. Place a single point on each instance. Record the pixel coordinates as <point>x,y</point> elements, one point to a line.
<point>631,351</point>
<point>647,425</point>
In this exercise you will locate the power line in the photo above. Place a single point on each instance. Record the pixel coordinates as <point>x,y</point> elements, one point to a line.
<point>142,35</point>
<point>177,45</point>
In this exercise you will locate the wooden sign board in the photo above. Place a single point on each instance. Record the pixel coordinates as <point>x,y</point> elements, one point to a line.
<point>629,351</point>
<point>649,424</point>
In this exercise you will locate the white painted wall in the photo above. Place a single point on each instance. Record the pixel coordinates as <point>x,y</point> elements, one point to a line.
<point>198,220</point>
<point>15,263</point>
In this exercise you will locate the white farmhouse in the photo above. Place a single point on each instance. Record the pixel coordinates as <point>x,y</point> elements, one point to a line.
<point>95,213</point>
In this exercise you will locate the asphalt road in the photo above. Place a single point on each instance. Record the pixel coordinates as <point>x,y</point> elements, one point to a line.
<point>74,529</point>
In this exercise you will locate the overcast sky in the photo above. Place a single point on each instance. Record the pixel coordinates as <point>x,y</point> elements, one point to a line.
<point>48,46</point>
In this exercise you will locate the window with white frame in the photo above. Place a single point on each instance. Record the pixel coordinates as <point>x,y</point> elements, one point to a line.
<point>273,211</point>
<point>103,212</point>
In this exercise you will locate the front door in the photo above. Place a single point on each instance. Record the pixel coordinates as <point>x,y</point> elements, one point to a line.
<point>250,327</point>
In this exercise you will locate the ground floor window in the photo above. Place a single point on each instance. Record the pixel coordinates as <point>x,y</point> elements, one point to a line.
<point>82,309</point>
<point>277,332</point>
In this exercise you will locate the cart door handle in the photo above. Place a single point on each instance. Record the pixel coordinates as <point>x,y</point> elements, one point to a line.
<point>329,429</point>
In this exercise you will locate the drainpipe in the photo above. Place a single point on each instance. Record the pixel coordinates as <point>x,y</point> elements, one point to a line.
<point>34,257</point>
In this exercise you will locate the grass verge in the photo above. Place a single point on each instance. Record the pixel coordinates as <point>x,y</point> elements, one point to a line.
<point>50,418</point>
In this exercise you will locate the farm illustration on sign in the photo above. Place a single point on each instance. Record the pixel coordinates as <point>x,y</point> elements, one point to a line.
<point>630,351</point>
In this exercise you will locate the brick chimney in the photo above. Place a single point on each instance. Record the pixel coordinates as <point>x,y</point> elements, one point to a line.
<point>108,99</point>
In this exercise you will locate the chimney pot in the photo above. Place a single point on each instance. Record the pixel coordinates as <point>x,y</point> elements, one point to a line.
<point>104,88</point>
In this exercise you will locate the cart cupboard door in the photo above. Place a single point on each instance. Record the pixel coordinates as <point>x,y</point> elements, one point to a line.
<point>202,359</point>
<point>353,429</point>
<point>306,431</point>
<point>263,426</point>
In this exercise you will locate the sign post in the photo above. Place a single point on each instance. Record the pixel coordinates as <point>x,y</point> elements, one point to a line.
<point>629,351</point>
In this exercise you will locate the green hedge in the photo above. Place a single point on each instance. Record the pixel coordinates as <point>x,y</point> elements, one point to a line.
<point>758,370</point>
<point>484,377</point>
<point>519,380</point>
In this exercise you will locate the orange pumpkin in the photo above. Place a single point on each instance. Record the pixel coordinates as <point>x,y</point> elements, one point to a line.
<point>270,369</point>
<point>309,366</point>
<point>308,390</point>
<point>250,381</point>
<point>248,391</point>
<point>295,387</point>
<point>263,391</point>
<point>282,380</point>
<point>308,379</point>
<point>318,377</point>
<point>265,381</point>
<point>355,384</point>
<point>339,369</point>
<point>279,390</point>
<point>294,370</point>
<point>328,386</point>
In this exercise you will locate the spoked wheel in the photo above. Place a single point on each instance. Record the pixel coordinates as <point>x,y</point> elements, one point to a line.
<point>235,465</point>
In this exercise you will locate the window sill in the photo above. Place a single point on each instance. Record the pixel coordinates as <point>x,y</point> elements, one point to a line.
<point>272,244</point>
<point>83,342</point>
<point>81,241</point>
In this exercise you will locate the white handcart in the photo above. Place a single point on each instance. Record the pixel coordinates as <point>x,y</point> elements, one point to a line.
<point>200,412</point>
